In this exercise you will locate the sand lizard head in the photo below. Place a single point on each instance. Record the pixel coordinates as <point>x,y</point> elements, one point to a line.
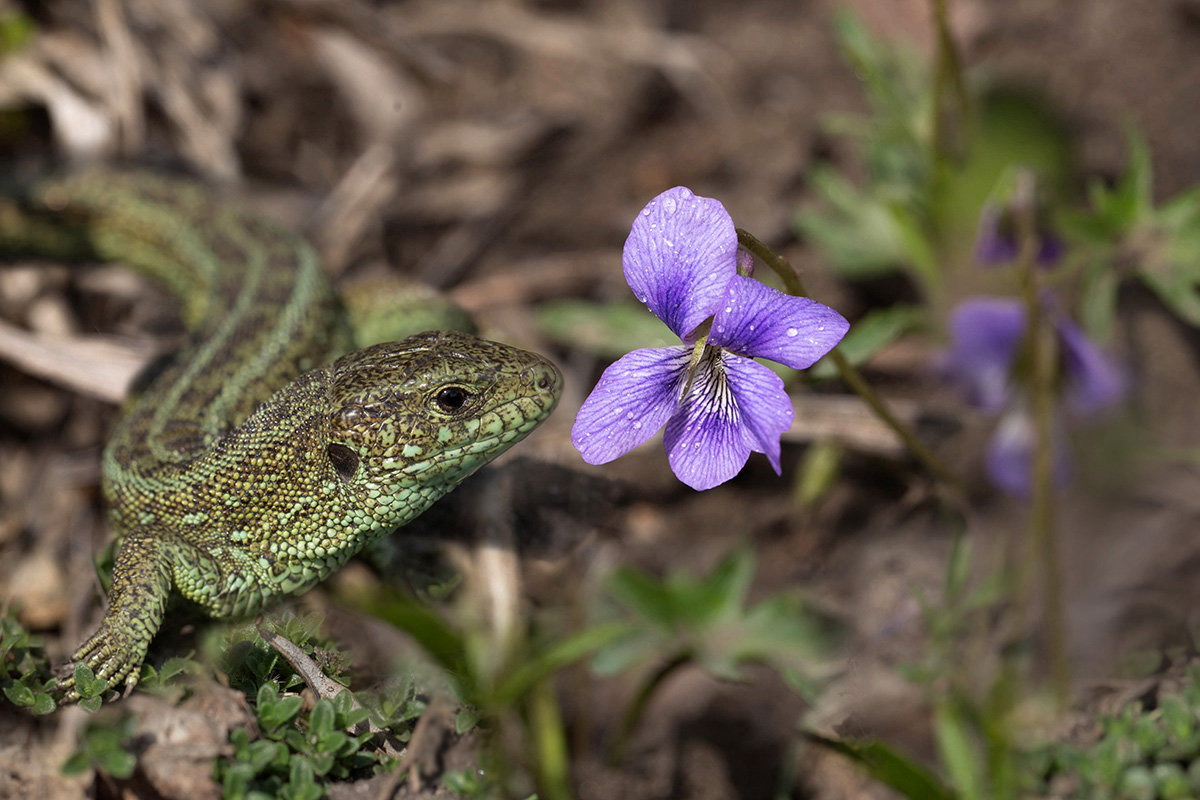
<point>424,413</point>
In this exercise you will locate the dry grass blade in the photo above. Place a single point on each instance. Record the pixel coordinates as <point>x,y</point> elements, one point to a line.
<point>95,366</point>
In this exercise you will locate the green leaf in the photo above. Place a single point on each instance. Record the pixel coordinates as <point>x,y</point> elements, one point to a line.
<point>301,774</point>
<point>622,654</point>
<point>174,666</point>
<point>1115,211</point>
<point>721,594</point>
<point>19,694</point>
<point>558,655</point>
<point>1179,293</point>
<point>268,693</point>
<point>278,713</point>
<point>1098,300</point>
<point>958,570</point>
<point>321,762</point>
<point>957,752</point>
<point>645,596</point>
<point>86,683</point>
<point>857,232</point>
<point>910,779</point>
<point>781,631</point>
<point>869,335</point>
<point>43,704</point>
<point>465,783</point>
<point>321,720</point>
<point>117,763</point>
<point>466,719</point>
<point>77,764</point>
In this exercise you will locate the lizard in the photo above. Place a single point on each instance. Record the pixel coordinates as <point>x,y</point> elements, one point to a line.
<point>268,450</point>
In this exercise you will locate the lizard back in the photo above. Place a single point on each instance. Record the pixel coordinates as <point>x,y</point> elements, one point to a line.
<point>258,306</point>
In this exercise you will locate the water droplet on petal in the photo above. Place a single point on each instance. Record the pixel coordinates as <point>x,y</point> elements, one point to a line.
<point>669,205</point>
<point>646,210</point>
<point>637,424</point>
<point>728,309</point>
<point>629,415</point>
<point>751,327</point>
<point>820,327</point>
<point>792,332</point>
<point>668,243</point>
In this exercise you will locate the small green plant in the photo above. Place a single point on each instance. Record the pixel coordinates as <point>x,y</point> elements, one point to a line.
<point>471,783</point>
<point>296,752</point>
<point>299,752</point>
<point>1125,234</point>
<point>25,675</point>
<point>161,679</point>
<point>973,728</point>
<point>250,661</point>
<point>90,688</point>
<point>1139,754</point>
<point>705,622</point>
<point>105,747</point>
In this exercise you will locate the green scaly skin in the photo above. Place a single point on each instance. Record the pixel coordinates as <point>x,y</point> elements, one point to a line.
<point>248,470</point>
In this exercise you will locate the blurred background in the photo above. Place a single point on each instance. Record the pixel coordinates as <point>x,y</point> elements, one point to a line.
<point>499,151</point>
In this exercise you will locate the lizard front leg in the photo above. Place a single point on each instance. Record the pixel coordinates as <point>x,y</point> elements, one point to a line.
<point>142,580</point>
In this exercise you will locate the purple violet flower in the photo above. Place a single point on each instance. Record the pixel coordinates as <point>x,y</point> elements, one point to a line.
<point>717,404</point>
<point>996,240</point>
<point>986,335</point>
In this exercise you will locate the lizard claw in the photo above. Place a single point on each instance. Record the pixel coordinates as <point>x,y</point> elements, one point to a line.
<point>112,657</point>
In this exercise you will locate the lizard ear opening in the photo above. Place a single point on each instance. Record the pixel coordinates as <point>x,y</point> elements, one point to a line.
<point>344,460</point>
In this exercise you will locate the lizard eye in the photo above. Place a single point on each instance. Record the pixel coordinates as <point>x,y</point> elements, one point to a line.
<point>344,460</point>
<point>451,399</point>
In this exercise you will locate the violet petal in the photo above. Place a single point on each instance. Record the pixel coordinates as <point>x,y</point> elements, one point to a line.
<point>985,332</point>
<point>994,244</point>
<point>1010,453</point>
<point>705,439</point>
<point>633,399</point>
<point>681,251</point>
<point>765,405</point>
<point>758,321</point>
<point>1094,381</point>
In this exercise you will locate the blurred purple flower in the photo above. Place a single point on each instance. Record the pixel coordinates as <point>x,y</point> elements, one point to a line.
<point>986,337</point>
<point>996,240</point>
<point>718,405</point>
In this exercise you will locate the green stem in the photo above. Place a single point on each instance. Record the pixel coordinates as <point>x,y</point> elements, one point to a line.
<point>1043,357</point>
<point>634,713</point>
<point>851,376</point>
<point>550,759</point>
<point>947,69</point>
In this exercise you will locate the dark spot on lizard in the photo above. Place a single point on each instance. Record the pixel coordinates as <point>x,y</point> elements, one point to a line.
<point>344,460</point>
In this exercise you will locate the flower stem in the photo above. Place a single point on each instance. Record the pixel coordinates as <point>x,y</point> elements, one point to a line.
<point>1043,356</point>
<point>549,754</point>
<point>947,70</point>
<point>633,714</point>
<point>852,377</point>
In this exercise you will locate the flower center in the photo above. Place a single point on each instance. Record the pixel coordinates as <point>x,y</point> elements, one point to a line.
<point>705,364</point>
